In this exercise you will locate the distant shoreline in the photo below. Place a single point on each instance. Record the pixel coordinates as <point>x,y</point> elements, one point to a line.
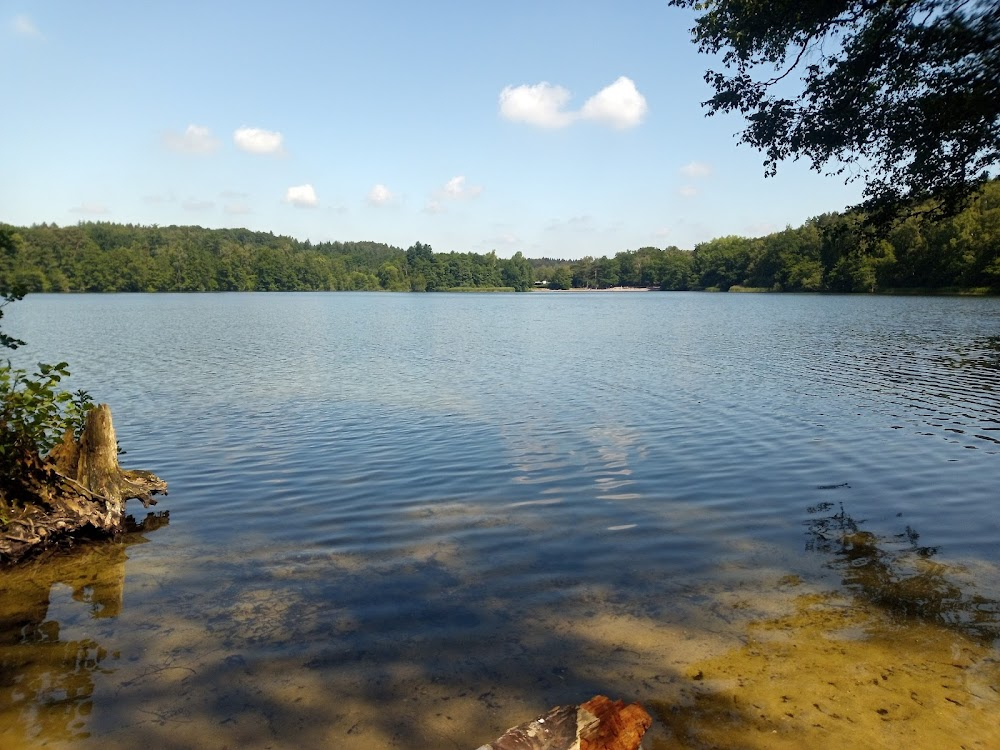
<point>591,289</point>
<point>891,292</point>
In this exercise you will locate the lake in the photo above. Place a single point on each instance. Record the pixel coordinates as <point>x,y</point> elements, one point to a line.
<point>412,521</point>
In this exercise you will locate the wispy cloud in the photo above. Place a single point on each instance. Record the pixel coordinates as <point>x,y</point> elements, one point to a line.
<point>235,202</point>
<point>507,239</point>
<point>197,205</point>
<point>259,141</point>
<point>196,139</point>
<point>24,26</point>
<point>687,191</point>
<point>582,223</point>
<point>455,189</point>
<point>237,208</point>
<point>544,105</point>
<point>303,196</point>
<point>380,195</point>
<point>696,170</point>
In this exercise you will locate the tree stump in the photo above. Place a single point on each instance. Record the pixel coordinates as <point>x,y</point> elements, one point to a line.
<point>77,489</point>
<point>598,724</point>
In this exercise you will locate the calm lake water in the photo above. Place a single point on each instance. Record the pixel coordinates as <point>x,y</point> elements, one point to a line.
<point>414,520</point>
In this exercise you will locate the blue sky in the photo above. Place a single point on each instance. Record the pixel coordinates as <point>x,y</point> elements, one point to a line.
<point>559,129</point>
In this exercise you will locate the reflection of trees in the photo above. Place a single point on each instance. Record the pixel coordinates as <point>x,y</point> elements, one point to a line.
<point>980,353</point>
<point>899,574</point>
<point>46,683</point>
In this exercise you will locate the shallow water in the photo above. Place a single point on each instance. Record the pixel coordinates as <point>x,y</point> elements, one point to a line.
<point>414,520</point>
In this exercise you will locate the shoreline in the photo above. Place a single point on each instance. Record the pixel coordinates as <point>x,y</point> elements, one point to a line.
<point>606,289</point>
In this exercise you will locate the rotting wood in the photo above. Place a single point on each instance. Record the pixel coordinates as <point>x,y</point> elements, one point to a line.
<point>598,724</point>
<point>78,489</point>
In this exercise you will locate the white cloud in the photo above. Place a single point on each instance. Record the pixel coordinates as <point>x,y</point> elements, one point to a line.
<point>688,191</point>
<point>696,169</point>
<point>95,209</point>
<point>380,195</point>
<point>541,105</point>
<point>453,190</point>
<point>619,105</point>
<point>302,195</point>
<point>259,141</point>
<point>456,188</point>
<point>24,26</point>
<point>196,139</point>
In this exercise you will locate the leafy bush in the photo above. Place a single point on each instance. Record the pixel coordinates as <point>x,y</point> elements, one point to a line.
<point>35,413</point>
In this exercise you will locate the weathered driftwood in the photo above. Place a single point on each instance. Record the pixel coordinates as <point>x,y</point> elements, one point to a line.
<point>78,489</point>
<point>598,724</point>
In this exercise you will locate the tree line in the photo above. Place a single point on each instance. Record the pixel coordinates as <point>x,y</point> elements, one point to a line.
<point>108,257</point>
<point>830,253</point>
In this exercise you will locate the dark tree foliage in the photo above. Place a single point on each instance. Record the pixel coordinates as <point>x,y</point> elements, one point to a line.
<point>903,94</point>
<point>8,291</point>
<point>8,296</point>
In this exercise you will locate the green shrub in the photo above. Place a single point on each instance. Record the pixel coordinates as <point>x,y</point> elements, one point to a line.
<point>35,413</point>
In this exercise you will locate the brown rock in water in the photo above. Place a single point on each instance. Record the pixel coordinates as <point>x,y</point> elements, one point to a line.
<point>79,488</point>
<point>598,724</point>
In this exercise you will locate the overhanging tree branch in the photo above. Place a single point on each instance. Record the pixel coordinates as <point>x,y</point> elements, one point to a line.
<point>908,88</point>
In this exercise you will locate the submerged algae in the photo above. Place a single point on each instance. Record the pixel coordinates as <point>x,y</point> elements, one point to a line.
<point>836,673</point>
<point>903,656</point>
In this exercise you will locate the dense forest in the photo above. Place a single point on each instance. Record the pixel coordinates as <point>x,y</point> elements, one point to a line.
<point>105,257</point>
<point>832,253</point>
<point>829,253</point>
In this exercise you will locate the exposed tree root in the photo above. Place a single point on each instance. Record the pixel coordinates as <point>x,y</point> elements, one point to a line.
<point>77,490</point>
